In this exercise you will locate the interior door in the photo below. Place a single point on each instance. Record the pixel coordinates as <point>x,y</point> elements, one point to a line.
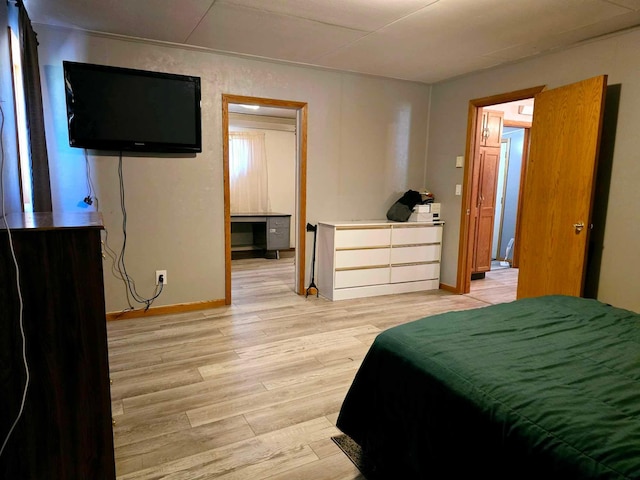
<point>486,206</point>
<point>559,187</point>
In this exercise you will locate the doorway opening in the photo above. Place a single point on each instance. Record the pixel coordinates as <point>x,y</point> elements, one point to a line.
<point>266,225</point>
<point>489,206</point>
<point>514,148</point>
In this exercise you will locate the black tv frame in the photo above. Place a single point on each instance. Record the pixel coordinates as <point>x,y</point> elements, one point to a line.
<point>134,145</point>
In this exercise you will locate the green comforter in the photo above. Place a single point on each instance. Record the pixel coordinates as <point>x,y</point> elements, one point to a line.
<point>546,387</point>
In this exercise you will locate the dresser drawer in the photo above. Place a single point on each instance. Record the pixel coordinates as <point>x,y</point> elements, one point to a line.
<point>419,253</point>
<point>412,273</point>
<point>413,235</point>
<point>361,277</point>
<point>362,258</point>
<point>363,237</point>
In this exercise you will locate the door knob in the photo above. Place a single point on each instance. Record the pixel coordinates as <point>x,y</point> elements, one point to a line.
<point>578,226</point>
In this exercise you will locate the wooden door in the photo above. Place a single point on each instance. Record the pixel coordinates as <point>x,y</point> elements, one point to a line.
<point>559,187</point>
<point>483,193</point>
<point>485,207</point>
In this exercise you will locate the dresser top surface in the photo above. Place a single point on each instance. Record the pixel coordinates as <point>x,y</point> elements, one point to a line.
<point>378,223</point>
<point>52,221</point>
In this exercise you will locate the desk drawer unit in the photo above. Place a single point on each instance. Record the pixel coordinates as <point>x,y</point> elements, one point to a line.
<point>278,222</point>
<point>363,259</point>
<point>278,233</point>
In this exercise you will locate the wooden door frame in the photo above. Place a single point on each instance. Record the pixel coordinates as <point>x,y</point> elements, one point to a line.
<point>465,243</point>
<point>301,182</point>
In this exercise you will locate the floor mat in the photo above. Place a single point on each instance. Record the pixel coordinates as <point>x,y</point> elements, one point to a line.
<point>353,451</point>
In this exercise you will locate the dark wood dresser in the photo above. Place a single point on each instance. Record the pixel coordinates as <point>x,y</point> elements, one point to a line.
<point>65,431</point>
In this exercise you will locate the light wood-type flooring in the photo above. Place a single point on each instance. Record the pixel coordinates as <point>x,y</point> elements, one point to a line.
<point>253,390</point>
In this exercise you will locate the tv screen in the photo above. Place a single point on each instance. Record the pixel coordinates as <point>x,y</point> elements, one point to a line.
<point>112,108</point>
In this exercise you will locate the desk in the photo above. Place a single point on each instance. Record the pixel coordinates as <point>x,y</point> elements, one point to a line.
<point>260,231</point>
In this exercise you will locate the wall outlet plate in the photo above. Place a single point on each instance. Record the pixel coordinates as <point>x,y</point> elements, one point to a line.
<point>164,277</point>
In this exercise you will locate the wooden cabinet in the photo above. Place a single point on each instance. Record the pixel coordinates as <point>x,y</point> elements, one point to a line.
<point>363,259</point>
<point>65,431</point>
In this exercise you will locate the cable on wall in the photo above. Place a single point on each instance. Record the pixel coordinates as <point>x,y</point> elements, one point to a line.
<point>115,269</point>
<point>89,199</point>
<point>131,285</point>
<point>21,316</point>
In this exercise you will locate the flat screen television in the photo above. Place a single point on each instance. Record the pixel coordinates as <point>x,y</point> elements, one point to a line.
<point>113,108</point>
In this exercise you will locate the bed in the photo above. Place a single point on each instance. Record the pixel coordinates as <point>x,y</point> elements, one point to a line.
<point>546,387</point>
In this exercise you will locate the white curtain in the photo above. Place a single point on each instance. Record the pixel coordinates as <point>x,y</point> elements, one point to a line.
<point>249,181</point>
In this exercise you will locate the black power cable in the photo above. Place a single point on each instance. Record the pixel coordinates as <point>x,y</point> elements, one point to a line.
<point>21,314</point>
<point>131,284</point>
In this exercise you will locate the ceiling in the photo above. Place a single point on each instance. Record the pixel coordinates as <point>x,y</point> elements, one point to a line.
<point>420,40</point>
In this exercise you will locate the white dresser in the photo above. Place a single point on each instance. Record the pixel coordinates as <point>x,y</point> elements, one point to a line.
<point>369,258</point>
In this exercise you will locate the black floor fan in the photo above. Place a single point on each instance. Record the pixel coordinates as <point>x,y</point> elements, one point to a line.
<point>312,285</point>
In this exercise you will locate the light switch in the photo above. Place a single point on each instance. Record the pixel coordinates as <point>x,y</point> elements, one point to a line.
<point>459,161</point>
<point>458,189</point>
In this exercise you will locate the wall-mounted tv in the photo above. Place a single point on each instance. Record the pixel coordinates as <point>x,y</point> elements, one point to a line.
<point>113,108</point>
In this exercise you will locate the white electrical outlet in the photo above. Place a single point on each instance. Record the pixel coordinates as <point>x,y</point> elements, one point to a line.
<point>164,277</point>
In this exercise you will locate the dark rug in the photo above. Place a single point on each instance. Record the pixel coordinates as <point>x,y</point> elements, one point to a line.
<point>354,453</point>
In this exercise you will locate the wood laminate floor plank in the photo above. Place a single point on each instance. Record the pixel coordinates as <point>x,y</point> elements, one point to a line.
<point>157,405</point>
<point>175,445</point>
<point>269,398</point>
<point>328,468</point>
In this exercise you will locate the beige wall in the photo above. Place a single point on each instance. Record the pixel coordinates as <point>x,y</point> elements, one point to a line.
<point>366,146</point>
<point>616,56</point>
